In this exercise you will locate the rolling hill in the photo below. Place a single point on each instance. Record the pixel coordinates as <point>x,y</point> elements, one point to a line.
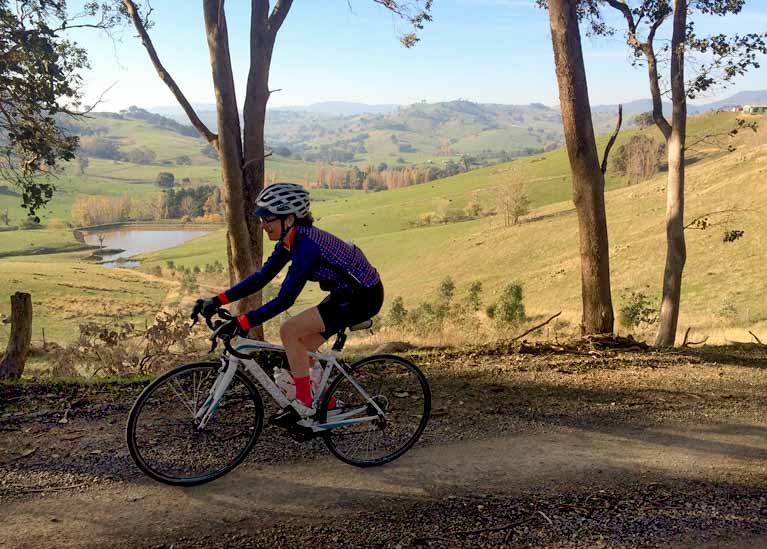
<point>723,292</point>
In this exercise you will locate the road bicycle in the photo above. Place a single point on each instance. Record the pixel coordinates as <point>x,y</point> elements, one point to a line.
<point>197,422</point>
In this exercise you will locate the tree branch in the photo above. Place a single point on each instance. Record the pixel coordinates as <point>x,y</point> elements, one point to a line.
<point>279,13</point>
<point>613,137</point>
<point>212,138</point>
<point>621,6</point>
<point>759,341</point>
<point>687,343</point>
<point>536,327</point>
<point>657,99</point>
<point>696,222</point>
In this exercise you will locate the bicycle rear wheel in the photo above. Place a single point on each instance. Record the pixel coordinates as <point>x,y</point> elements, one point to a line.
<point>165,440</point>
<point>399,388</point>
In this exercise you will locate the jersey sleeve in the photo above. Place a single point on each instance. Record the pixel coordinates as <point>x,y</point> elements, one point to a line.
<point>250,285</point>
<point>306,256</point>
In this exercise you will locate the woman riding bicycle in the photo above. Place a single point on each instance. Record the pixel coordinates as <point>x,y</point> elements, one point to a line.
<point>356,292</point>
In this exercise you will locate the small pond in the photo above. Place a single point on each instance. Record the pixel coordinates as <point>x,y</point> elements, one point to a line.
<point>135,241</point>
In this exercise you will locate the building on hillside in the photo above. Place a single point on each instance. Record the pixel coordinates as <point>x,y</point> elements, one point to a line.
<point>755,109</point>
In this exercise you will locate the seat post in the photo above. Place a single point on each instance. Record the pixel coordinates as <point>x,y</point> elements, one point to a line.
<point>340,340</point>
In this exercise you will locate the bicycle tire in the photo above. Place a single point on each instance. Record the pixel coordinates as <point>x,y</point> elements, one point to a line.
<point>411,395</point>
<point>144,448</point>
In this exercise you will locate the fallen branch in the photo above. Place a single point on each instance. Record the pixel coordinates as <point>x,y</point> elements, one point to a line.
<point>759,341</point>
<point>687,343</point>
<point>536,327</point>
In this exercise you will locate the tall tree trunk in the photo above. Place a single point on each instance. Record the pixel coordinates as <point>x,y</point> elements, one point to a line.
<point>12,363</point>
<point>676,253</point>
<point>588,180</point>
<point>241,234</point>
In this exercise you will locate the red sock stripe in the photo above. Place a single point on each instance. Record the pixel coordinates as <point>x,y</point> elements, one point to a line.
<point>223,299</point>
<point>243,322</point>
<point>303,390</point>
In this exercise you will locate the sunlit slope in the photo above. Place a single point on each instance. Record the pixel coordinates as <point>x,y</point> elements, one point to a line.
<point>543,254</point>
<point>67,292</point>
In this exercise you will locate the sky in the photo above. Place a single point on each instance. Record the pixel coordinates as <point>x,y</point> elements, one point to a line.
<point>487,51</point>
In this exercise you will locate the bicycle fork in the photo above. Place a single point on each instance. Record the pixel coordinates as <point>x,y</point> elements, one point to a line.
<point>224,378</point>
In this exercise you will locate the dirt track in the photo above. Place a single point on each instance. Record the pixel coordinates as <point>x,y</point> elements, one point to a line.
<point>558,451</point>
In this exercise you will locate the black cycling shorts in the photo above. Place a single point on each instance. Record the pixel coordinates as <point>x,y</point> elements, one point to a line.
<point>343,309</point>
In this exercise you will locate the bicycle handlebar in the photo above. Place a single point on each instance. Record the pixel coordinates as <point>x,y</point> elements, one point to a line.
<point>216,328</point>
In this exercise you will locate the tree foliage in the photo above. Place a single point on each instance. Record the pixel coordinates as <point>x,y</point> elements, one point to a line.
<point>39,82</point>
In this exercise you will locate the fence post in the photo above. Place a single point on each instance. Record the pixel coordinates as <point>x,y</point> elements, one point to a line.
<point>12,363</point>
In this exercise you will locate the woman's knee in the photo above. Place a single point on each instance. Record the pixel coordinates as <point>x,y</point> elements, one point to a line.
<point>289,332</point>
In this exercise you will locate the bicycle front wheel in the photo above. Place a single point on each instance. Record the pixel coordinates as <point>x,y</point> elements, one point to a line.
<point>165,440</point>
<point>399,389</point>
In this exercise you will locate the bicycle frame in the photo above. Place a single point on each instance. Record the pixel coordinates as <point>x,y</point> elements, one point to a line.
<point>230,364</point>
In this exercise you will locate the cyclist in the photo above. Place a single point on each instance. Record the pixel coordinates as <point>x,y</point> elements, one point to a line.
<point>356,292</point>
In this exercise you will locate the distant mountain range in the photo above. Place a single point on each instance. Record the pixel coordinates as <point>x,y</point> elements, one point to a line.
<point>346,108</point>
<point>758,97</point>
<point>337,131</point>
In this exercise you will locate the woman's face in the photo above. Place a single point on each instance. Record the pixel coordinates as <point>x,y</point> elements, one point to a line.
<point>271,226</point>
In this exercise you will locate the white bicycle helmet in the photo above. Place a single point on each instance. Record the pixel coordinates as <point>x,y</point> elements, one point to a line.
<point>282,199</point>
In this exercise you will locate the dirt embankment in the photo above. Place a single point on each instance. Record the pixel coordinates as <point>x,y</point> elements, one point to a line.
<point>598,449</point>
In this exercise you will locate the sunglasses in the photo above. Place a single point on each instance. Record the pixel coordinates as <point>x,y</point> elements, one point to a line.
<point>268,219</point>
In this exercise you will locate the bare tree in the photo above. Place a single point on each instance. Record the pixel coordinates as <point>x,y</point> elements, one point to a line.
<point>513,202</point>
<point>241,151</point>
<point>729,57</point>
<point>588,179</point>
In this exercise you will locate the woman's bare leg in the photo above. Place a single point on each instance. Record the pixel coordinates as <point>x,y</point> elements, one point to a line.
<point>299,335</point>
<point>312,342</point>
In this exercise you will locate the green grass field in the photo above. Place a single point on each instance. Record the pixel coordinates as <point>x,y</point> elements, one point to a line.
<point>724,286</point>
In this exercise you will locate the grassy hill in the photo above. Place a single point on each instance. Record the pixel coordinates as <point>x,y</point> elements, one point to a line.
<point>105,177</point>
<point>724,287</point>
<point>723,284</point>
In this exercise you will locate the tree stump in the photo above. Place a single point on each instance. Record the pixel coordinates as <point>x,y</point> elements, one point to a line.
<point>12,364</point>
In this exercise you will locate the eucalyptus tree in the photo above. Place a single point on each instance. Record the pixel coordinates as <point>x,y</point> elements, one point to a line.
<point>587,175</point>
<point>241,150</point>
<point>722,58</point>
<point>39,83</point>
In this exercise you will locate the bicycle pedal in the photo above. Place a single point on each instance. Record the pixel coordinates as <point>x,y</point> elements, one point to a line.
<point>285,418</point>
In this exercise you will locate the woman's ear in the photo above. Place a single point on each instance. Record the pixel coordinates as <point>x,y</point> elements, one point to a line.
<point>290,221</point>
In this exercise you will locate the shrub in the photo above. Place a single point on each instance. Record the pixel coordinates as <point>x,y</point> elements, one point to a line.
<point>166,180</point>
<point>31,223</point>
<point>189,283</point>
<point>57,223</point>
<point>447,289</point>
<point>426,218</point>
<point>637,309</point>
<point>117,348</point>
<point>170,264</point>
<point>156,270</point>
<point>397,312</point>
<point>473,209</point>
<point>475,295</point>
<point>510,308</point>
